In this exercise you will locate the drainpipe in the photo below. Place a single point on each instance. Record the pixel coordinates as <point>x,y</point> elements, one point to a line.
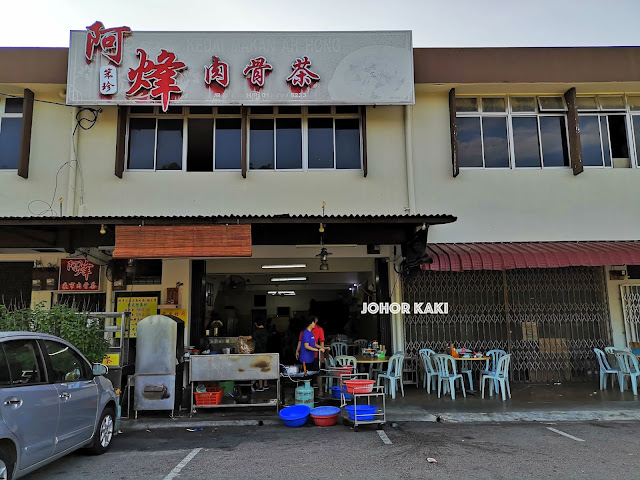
<point>397,321</point>
<point>408,147</point>
<point>69,201</point>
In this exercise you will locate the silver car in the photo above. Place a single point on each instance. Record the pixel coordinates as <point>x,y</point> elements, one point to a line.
<point>52,402</point>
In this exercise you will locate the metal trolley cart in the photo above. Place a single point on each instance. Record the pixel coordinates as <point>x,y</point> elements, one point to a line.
<point>362,399</point>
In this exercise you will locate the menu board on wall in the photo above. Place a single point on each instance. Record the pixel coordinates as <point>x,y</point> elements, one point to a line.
<point>140,307</point>
<point>181,313</point>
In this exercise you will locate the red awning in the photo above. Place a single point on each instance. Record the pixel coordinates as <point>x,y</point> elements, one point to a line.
<point>457,257</point>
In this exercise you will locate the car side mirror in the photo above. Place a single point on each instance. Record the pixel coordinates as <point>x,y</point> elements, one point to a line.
<point>100,369</point>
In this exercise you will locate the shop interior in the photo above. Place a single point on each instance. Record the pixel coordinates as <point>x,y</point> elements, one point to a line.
<point>284,290</point>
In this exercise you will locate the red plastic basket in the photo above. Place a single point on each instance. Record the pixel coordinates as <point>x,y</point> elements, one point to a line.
<point>213,396</point>
<point>359,386</point>
<point>341,370</point>
<point>325,421</point>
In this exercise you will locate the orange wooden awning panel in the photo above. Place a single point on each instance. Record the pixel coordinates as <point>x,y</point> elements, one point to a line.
<point>191,241</point>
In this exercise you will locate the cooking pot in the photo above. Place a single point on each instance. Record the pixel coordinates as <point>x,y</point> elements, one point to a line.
<point>291,369</point>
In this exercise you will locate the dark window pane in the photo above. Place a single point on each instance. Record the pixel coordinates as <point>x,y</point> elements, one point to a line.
<point>13,105</point>
<point>261,144</point>
<point>469,143</point>
<point>289,143</point>
<point>201,110</point>
<point>496,148</point>
<point>289,110</point>
<point>169,155</point>
<point>590,140</point>
<point>618,136</point>
<point>228,143</point>
<point>604,134</point>
<point>347,109</point>
<point>348,143</point>
<point>142,142</point>
<point>466,104</point>
<point>261,110</point>
<point>318,110</point>
<point>5,378</point>
<point>25,362</point>
<point>320,142</point>
<point>229,110</point>
<point>10,129</point>
<point>525,142</point>
<point>140,109</point>
<point>555,152</point>
<point>200,145</point>
<point>66,364</point>
<point>636,129</point>
<point>171,111</point>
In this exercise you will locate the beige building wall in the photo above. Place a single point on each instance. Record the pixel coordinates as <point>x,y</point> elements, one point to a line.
<point>383,191</point>
<point>518,205</point>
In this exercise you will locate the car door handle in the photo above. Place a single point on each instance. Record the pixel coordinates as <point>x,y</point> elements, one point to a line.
<point>13,401</point>
<point>65,396</point>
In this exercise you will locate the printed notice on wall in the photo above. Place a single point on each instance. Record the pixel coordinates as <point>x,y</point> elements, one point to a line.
<point>181,313</point>
<point>140,308</point>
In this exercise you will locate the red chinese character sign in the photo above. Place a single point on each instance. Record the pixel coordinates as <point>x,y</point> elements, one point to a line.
<point>216,75</point>
<point>256,72</point>
<point>79,274</point>
<point>159,79</point>
<point>108,40</point>
<point>302,77</point>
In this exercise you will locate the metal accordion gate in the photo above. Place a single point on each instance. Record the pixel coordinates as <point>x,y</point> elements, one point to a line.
<point>549,319</point>
<point>630,295</point>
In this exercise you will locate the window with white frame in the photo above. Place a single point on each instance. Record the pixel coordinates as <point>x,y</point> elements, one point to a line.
<point>603,130</point>
<point>278,138</point>
<point>512,132</point>
<point>634,108</point>
<point>10,130</point>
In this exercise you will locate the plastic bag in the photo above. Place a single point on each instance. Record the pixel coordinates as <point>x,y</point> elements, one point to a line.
<point>245,346</point>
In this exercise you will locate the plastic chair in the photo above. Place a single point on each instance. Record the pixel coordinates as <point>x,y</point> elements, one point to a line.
<point>501,377</point>
<point>343,360</point>
<point>339,348</point>
<point>492,363</point>
<point>429,371</point>
<point>629,367</point>
<point>329,362</point>
<point>362,342</point>
<point>393,374</point>
<point>605,368</point>
<point>446,369</point>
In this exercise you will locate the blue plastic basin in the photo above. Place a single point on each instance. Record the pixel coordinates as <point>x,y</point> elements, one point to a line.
<point>295,416</point>
<point>365,412</point>
<point>325,411</point>
<point>335,391</point>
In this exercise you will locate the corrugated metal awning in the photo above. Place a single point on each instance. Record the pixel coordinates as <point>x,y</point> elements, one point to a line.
<point>457,257</point>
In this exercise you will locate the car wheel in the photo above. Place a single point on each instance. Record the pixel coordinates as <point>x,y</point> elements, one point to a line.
<point>104,433</point>
<point>6,466</point>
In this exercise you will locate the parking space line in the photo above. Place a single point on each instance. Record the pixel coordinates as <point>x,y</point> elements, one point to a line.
<point>564,434</point>
<point>182,464</point>
<point>383,437</point>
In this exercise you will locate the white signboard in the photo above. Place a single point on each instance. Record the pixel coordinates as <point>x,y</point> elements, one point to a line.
<point>118,66</point>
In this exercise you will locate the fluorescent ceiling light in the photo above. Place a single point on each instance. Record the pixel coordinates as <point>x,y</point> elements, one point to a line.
<point>293,265</point>
<point>281,292</point>
<point>289,279</point>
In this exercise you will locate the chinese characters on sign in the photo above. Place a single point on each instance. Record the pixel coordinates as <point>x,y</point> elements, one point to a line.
<point>108,80</point>
<point>140,308</point>
<point>256,71</point>
<point>108,40</point>
<point>217,72</point>
<point>159,78</point>
<point>79,275</point>
<point>301,75</point>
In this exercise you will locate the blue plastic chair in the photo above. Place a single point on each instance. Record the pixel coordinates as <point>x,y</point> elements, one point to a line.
<point>500,377</point>
<point>492,363</point>
<point>339,348</point>
<point>629,367</point>
<point>446,368</point>
<point>344,360</point>
<point>393,374</point>
<point>605,369</point>
<point>429,370</point>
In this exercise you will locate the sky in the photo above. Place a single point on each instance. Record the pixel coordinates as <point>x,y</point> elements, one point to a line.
<point>443,23</point>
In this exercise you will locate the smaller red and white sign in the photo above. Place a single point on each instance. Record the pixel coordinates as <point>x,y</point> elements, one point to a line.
<point>79,274</point>
<point>108,80</point>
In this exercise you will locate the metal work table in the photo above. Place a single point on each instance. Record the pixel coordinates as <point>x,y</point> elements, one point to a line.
<point>236,367</point>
